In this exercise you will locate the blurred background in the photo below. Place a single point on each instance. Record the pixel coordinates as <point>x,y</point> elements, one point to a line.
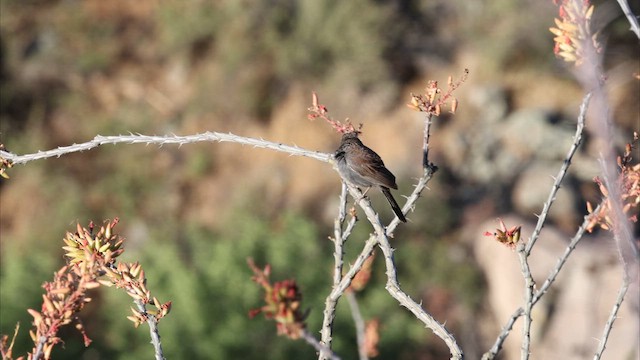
<point>70,70</point>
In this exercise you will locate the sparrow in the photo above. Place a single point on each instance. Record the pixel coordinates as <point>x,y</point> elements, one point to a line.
<point>362,167</point>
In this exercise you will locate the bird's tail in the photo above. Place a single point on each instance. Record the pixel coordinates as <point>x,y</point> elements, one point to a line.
<point>393,203</point>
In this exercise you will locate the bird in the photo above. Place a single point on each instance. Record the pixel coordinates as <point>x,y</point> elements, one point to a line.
<point>362,167</point>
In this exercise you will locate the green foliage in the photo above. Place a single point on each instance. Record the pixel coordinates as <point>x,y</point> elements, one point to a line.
<point>181,24</point>
<point>206,276</point>
<point>262,47</point>
<point>21,274</point>
<point>209,283</point>
<point>237,59</point>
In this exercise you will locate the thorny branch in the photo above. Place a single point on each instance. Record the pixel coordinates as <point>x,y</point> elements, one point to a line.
<point>208,136</point>
<point>532,297</point>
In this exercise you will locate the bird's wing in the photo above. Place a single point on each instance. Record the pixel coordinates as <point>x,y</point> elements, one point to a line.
<point>374,171</point>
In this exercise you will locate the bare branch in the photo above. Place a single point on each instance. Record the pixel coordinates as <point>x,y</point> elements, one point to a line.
<point>612,318</point>
<point>153,329</point>
<point>528,300</point>
<point>562,260</point>
<point>163,140</point>
<point>577,139</point>
<point>42,340</point>
<point>633,20</point>
<point>497,346</point>
<point>393,287</point>
<point>359,322</point>
<point>338,254</point>
<point>506,330</point>
<point>425,141</point>
<point>341,287</point>
<point>323,350</point>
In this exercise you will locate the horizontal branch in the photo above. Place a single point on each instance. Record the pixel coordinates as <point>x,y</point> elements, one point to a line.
<point>164,140</point>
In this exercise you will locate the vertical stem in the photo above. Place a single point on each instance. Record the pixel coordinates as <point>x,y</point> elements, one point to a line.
<point>528,301</point>
<point>338,254</point>
<point>425,141</point>
<point>153,330</point>
<point>612,318</point>
<point>359,322</point>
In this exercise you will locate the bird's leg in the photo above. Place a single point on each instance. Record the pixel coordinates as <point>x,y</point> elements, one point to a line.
<point>355,201</point>
<point>362,195</point>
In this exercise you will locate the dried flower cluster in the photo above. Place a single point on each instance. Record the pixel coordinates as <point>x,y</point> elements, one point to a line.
<point>282,300</point>
<point>90,257</point>
<point>508,237</point>
<point>573,31</point>
<point>102,249</point>
<point>130,277</point>
<point>318,110</point>
<point>629,185</point>
<point>434,98</point>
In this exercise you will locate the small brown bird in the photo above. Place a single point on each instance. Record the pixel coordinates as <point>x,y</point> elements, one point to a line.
<point>361,166</point>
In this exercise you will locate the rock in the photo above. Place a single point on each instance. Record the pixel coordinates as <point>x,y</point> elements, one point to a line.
<point>532,189</point>
<point>529,134</point>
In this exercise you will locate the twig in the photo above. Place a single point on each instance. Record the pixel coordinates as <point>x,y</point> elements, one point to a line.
<point>506,330</point>
<point>163,140</point>
<point>633,20</point>
<point>561,261</point>
<point>338,254</point>
<point>341,287</point>
<point>359,322</point>
<point>153,329</point>
<point>39,348</point>
<point>393,287</point>
<point>577,139</point>
<point>528,301</point>
<point>425,140</point>
<point>497,346</point>
<point>612,317</point>
<point>339,237</point>
<point>325,351</point>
